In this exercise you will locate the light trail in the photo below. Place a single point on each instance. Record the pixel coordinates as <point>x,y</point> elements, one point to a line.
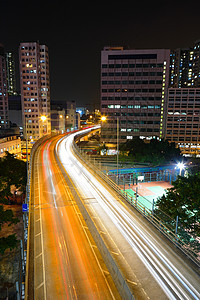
<point>170,278</point>
<point>67,265</point>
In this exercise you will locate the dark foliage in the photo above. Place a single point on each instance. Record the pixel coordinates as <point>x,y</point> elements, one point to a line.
<point>12,172</point>
<point>155,152</point>
<point>183,200</point>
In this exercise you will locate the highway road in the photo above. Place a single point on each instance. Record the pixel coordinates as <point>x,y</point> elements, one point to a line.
<point>64,261</point>
<point>153,268</point>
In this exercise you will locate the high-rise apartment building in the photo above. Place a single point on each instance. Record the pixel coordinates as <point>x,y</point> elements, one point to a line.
<point>185,67</point>
<point>183,119</point>
<point>4,123</point>
<point>196,64</point>
<point>35,89</point>
<point>133,93</point>
<point>11,78</point>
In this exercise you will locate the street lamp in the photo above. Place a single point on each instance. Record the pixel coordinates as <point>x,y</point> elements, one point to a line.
<point>180,166</point>
<point>103,118</point>
<point>43,118</point>
<point>117,150</point>
<point>26,130</point>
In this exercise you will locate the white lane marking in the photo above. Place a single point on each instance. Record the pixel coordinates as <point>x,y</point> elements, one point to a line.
<point>42,242</point>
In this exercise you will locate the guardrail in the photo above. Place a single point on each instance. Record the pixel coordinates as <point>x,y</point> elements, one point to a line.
<point>150,215</point>
<point>26,217</point>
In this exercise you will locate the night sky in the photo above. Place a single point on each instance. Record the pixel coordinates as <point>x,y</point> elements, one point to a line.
<point>76,33</point>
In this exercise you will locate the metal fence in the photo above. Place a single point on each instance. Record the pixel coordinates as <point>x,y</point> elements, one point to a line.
<point>171,228</point>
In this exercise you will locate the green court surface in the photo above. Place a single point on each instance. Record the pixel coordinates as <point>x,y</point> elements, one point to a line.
<point>158,190</point>
<point>147,200</point>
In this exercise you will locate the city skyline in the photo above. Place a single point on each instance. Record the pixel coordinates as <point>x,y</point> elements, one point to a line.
<point>75,41</point>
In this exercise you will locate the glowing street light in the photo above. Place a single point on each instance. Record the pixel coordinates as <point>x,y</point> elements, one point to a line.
<point>103,118</point>
<point>180,166</point>
<point>43,118</point>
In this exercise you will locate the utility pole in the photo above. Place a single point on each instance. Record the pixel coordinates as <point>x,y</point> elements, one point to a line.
<point>117,150</point>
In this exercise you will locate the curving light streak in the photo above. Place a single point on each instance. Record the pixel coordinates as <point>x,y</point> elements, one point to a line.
<point>79,269</point>
<point>58,235</point>
<point>173,283</point>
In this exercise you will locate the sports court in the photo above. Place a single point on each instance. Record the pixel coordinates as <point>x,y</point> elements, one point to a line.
<point>147,191</point>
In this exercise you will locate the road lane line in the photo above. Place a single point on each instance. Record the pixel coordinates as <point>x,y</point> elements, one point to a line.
<point>38,255</point>
<point>41,230</point>
<point>39,286</point>
<point>37,234</point>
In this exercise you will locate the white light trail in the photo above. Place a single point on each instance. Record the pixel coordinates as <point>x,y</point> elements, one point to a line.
<point>171,280</point>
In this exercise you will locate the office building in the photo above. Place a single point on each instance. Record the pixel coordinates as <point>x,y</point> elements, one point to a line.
<point>35,89</point>
<point>11,78</point>
<point>183,119</point>
<point>133,93</point>
<point>71,116</point>
<point>58,120</point>
<point>4,123</point>
<point>64,116</point>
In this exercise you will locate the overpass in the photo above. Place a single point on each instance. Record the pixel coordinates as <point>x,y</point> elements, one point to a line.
<point>86,242</point>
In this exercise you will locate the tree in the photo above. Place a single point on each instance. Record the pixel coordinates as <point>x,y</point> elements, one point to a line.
<point>103,148</point>
<point>12,172</point>
<point>6,216</point>
<point>155,152</point>
<point>183,200</point>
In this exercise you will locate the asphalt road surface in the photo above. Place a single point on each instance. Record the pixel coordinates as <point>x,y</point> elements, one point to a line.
<point>64,261</point>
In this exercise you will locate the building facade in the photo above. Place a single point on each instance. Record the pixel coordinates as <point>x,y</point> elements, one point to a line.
<point>12,144</point>
<point>71,123</point>
<point>64,116</point>
<point>185,67</point>
<point>58,120</point>
<point>11,77</point>
<point>4,122</point>
<point>133,93</point>
<point>183,119</point>
<point>35,89</point>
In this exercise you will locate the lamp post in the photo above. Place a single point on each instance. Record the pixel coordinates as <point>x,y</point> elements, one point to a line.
<point>117,150</point>
<point>43,118</point>
<point>26,130</point>
<point>180,166</point>
<point>103,118</point>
